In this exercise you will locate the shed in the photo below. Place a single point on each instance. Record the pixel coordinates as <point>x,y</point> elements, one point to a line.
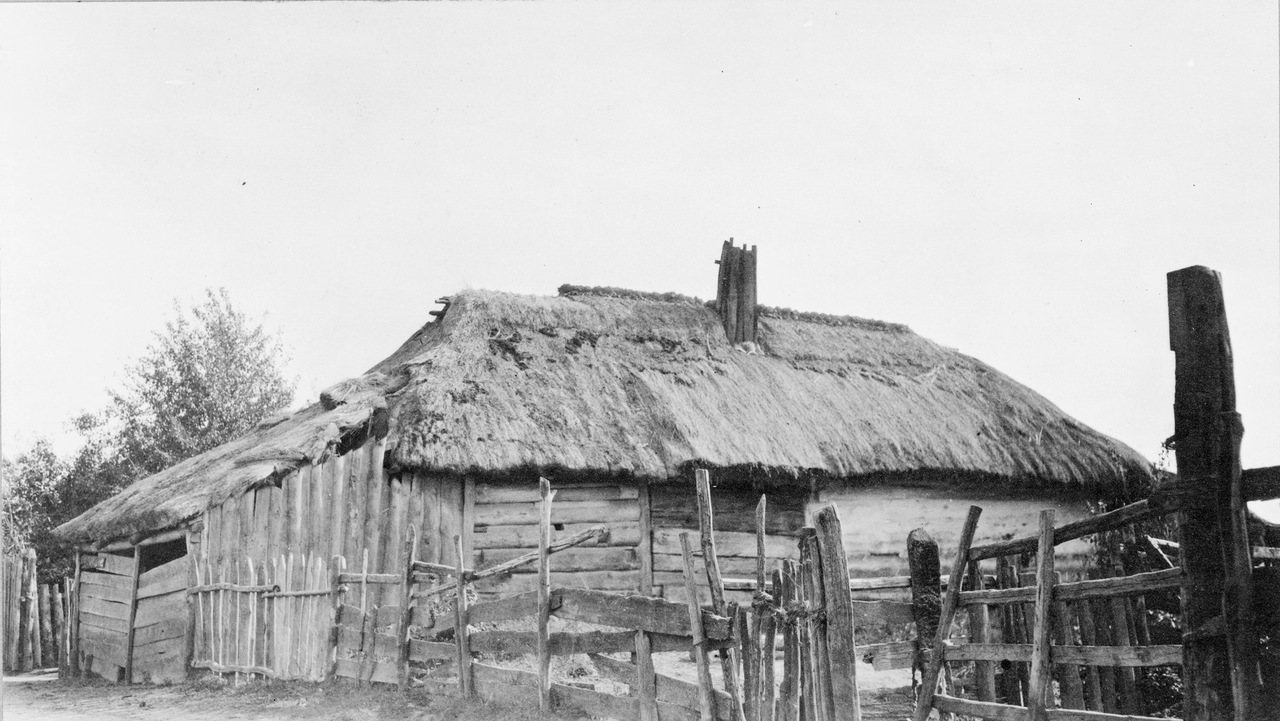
<point>616,397</point>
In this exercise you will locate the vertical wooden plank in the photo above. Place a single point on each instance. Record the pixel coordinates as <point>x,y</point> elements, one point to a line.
<point>645,549</point>
<point>646,681</point>
<point>705,710</point>
<point>1012,682</point>
<point>769,632</point>
<point>1088,637</point>
<point>76,667</point>
<point>24,609</point>
<point>434,540</point>
<point>416,516</point>
<point>467,518</point>
<point>450,495</point>
<point>750,640</point>
<point>357,499</point>
<point>378,492</point>
<point>1126,681</point>
<point>929,683</point>
<point>260,524</point>
<point>1041,693</point>
<point>275,542</point>
<point>815,592</point>
<point>133,614</point>
<point>337,481</point>
<point>544,594</point>
<point>1220,670</point>
<point>322,483</point>
<point>747,296</point>
<point>406,601</point>
<point>230,528</point>
<point>248,516</point>
<point>926,588</point>
<point>397,519</point>
<point>193,606</point>
<point>754,672</point>
<point>842,654</point>
<point>460,631</point>
<point>706,524</point>
<point>11,612</point>
<point>1068,676</point>
<point>303,522</point>
<point>58,637</point>
<point>984,672</point>
<point>789,693</point>
<point>213,533</point>
<point>47,648</point>
<point>335,602</point>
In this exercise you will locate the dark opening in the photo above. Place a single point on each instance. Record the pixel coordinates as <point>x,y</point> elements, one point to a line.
<point>158,554</point>
<point>558,526</point>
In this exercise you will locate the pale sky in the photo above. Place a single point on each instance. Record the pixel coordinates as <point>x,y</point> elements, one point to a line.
<point>1010,179</point>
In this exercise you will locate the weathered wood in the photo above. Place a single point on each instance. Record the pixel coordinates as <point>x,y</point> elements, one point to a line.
<point>336,479</point>
<point>1115,656</point>
<point>769,631</point>
<point>512,514</point>
<point>706,525</point>
<point>1220,670</point>
<point>705,708</point>
<point>59,621</point>
<point>730,544</point>
<point>73,625</point>
<point>47,647</point>
<point>750,644</point>
<point>984,674</point>
<point>460,631</point>
<point>165,579</point>
<point>841,651</point>
<point>505,609</point>
<point>488,493</point>
<point>1111,520</point>
<point>980,709</point>
<point>526,536</point>
<point>159,608</point>
<point>1068,677</point>
<point>1062,714</point>
<point>1041,687</point>
<point>636,612</point>
<point>926,587</point>
<point>1078,590</point>
<point>133,609</point>
<point>1088,637</point>
<point>574,560</point>
<point>108,593</point>
<point>788,706</point>
<point>889,656</point>
<point>322,480</point>
<point>558,644</point>
<point>514,563</point>
<point>121,583</point>
<point>669,691</point>
<point>406,607</point>
<point>544,595</point>
<point>357,495</point>
<point>107,563</point>
<point>929,683</point>
<point>1120,637</point>
<point>822,695</point>
<point>644,550</point>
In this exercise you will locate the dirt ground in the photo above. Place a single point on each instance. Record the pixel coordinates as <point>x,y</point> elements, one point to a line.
<point>41,696</point>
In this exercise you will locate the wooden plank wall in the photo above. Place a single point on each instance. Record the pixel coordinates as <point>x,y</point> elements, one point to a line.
<point>506,526</point>
<point>160,623</point>
<point>675,509</point>
<point>106,588</point>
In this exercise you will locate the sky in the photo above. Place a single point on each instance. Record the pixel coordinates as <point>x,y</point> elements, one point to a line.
<point>1010,179</point>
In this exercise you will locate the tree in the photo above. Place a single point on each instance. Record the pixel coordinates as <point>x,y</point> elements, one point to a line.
<point>208,378</point>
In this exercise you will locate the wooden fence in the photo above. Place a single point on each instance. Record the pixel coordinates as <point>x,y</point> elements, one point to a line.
<point>35,617</point>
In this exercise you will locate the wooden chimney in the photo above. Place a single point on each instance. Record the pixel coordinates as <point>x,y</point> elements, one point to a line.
<point>736,292</point>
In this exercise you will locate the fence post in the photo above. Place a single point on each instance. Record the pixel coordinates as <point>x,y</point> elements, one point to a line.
<point>984,672</point>
<point>926,590</point>
<point>48,652</point>
<point>1219,658</point>
<point>406,605</point>
<point>60,631</point>
<point>811,562</point>
<point>842,656</point>
<point>133,612</point>
<point>1041,685</point>
<point>706,524</point>
<point>336,589</point>
<point>705,709</point>
<point>544,594</point>
<point>460,624</point>
<point>24,610</point>
<point>73,625</point>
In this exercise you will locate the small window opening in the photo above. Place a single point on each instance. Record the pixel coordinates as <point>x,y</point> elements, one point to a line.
<point>558,526</point>
<point>158,554</point>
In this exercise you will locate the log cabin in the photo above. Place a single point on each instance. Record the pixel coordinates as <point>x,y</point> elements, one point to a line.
<point>616,397</point>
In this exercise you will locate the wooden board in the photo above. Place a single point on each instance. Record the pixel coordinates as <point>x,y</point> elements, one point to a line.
<point>676,507</point>
<point>165,579</point>
<point>105,608</point>
<point>492,493</point>
<point>888,656</point>
<point>106,579</point>
<point>107,593</point>
<point>110,652</point>
<point>100,666</point>
<point>119,625</point>
<point>432,651</point>
<point>562,644</point>
<point>634,612</point>
<point>107,563</point>
<point>729,565</point>
<point>728,543</point>
<point>526,536</point>
<point>1117,656</point>
<point>595,580</point>
<point>169,649</point>
<point>166,629</point>
<point>161,608</point>
<point>504,609</point>
<point>568,560</point>
<point>589,512</point>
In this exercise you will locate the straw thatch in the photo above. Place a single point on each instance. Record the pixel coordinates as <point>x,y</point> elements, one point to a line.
<point>592,383</point>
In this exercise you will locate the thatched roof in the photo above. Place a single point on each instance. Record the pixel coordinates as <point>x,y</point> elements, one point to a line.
<point>649,386</point>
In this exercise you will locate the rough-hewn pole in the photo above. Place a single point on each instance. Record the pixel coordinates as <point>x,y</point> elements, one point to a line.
<point>842,655</point>
<point>926,590</point>
<point>1219,644</point>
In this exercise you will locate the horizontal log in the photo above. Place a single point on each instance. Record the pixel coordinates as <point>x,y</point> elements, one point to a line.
<point>1071,714</point>
<point>488,493</point>
<point>90,578</point>
<point>421,651</point>
<point>569,560</point>
<point>231,588</point>
<point>107,563</point>
<point>615,581</point>
<point>160,608</point>
<point>105,608</point>
<point>1111,656</point>
<point>888,656</point>
<point>635,612</point>
<point>1267,552</point>
<point>522,514</point>
<point>109,623</point>
<point>1095,588</point>
<point>866,613</point>
<point>733,566</point>
<point>980,709</point>
<point>508,566</point>
<point>504,609</point>
<point>526,536</point>
<point>1260,484</point>
<point>595,703</point>
<point>562,644</point>
<point>1111,520</point>
<point>293,594</point>
<point>357,578</point>
<point>728,544</point>
<point>675,692</point>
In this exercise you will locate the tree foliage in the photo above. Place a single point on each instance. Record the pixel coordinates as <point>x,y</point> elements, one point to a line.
<point>210,376</point>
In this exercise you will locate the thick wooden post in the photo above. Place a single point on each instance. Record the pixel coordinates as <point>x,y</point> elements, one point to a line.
<point>60,630</point>
<point>406,605</point>
<point>926,590</point>
<point>705,709</point>
<point>460,624</point>
<point>133,613</point>
<point>928,686</point>
<point>48,651</point>
<point>769,630</point>
<point>73,626</point>
<point>544,595</point>
<point>984,672</point>
<point>1040,697</point>
<point>706,523</point>
<point>815,592</point>
<point>842,657</point>
<point>25,601</point>
<point>1220,661</point>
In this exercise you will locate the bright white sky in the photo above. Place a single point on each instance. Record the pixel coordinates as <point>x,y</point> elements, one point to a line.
<point>1010,180</point>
